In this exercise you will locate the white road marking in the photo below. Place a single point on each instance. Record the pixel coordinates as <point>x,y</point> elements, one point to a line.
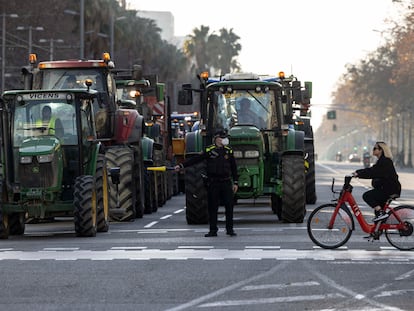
<point>137,253</point>
<point>279,286</point>
<point>404,276</point>
<point>151,224</point>
<point>394,292</point>
<point>166,216</point>
<point>262,301</point>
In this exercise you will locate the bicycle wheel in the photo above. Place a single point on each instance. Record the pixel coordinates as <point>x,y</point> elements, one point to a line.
<point>334,237</point>
<point>402,239</point>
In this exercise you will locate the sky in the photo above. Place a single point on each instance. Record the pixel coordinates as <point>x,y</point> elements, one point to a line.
<point>311,39</point>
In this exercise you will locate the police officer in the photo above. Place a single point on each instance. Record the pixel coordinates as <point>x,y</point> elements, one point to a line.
<point>222,180</point>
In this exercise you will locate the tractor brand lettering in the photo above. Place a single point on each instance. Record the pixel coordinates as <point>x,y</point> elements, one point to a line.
<point>39,96</point>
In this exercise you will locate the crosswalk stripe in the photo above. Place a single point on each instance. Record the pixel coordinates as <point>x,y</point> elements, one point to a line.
<point>138,253</point>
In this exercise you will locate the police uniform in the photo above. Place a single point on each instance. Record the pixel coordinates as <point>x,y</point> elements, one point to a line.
<point>221,174</point>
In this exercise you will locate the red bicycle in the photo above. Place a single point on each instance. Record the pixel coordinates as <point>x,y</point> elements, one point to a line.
<point>331,225</point>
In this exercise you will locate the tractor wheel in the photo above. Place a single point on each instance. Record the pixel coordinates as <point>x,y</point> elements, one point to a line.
<point>276,205</point>
<point>310,174</point>
<point>195,195</point>
<point>4,219</point>
<point>139,183</point>
<point>149,191</point>
<point>124,159</point>
<point>293,189</point>
<point>102,194</point>
<point>85,211</point>
<point>16,224</point>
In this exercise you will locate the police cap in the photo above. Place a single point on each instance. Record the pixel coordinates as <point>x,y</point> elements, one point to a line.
<point>220,133</point>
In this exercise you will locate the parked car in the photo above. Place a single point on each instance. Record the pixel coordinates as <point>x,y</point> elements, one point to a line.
<point>354,157</point>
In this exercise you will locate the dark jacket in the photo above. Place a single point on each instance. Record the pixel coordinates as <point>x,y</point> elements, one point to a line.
<point>383,175</point>
<point>220,163</point>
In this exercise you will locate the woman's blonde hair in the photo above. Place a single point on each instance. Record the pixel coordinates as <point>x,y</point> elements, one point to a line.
<point>386,151</point>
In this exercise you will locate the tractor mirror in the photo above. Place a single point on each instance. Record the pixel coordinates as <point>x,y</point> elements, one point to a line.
<point>185,97</point>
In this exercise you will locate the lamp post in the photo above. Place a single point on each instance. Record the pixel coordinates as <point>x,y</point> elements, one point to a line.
<point>112,34</point>
<point>3,47</point>
<point>30,28</point>
<point>51,49</point>
<point>81,26</point>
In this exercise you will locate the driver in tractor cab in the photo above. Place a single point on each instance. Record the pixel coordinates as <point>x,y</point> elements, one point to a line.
<point>70,83</point>
<point>246,115</point>
<point>52,124</point>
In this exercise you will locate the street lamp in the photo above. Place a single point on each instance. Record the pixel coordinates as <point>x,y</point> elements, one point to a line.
<point>30,28</point>
<point>82,26</point>
<point>113,20</point>
<point>51,45</point>
<point>3,47</point>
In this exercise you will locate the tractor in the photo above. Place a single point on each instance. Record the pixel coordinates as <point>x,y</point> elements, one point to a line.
<point>54,166</point>
<point>119,129</point>
<point>269,150</point>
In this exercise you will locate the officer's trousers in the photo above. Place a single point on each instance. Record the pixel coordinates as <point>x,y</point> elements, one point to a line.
<point>220,193</point>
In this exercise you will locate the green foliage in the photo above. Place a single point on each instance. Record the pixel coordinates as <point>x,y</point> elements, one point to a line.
<point>136,40</point>
<point>212,52</point>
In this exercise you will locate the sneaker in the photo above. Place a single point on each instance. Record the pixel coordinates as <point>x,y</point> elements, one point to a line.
<point>231,233</point>
<point>380,215</point>
<point>210,234</point>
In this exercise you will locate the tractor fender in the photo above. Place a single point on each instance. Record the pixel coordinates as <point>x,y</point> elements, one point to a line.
<point>193,143</point>
<point>129,125</point>
<point>147,150</point>
<point>295,140</point>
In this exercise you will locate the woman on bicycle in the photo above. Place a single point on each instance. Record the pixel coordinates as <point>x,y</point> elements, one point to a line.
<point>384,180</point>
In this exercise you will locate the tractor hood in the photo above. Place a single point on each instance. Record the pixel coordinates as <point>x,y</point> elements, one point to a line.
<point>245,132</point>
<point>39,146</point>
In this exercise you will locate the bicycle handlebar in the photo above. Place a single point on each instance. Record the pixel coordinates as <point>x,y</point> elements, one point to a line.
<point>347,182</point>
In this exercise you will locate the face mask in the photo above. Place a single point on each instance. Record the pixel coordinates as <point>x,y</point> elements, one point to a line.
<point>225,141</point>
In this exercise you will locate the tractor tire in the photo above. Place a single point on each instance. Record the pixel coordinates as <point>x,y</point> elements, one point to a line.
<point>4,219</point>
<point>276,202</point>
<point>293,185</point>
<point>139,183</point>
<point>16,224</point>
<point>195,195</point>
<point>102,194</point>
<point>123,158</point>
<point>149,192</point>
<point>85,206</point>
<point>310,174</point>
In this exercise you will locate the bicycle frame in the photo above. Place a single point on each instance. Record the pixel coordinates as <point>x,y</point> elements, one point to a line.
<point>346,198</point>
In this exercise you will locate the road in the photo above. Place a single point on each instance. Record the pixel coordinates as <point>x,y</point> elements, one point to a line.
<point>161,263</point>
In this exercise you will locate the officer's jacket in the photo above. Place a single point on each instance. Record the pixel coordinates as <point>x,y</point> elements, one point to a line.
<point>220,162</point>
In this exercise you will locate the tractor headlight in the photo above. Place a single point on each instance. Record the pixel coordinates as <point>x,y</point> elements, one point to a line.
<point>45,158</point>
<point>238,154</point>
<point>251,154</point>
<point>26,160</point>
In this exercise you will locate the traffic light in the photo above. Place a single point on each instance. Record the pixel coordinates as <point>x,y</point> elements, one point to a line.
<point>331,114</point>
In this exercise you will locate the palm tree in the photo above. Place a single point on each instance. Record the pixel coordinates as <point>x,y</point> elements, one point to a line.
<point>228,49</point>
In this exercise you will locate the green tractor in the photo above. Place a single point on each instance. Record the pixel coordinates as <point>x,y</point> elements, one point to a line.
<point>269,151</point>
<point>299,96</point>
<point>52,167</point>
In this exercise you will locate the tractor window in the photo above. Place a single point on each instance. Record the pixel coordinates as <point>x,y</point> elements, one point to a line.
<point>57,79</point>
<point>39,118</point>
<point>245,107</point>
<point>86,122</point>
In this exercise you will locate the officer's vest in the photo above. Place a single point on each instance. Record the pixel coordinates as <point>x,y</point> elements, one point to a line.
<point>50,125</point>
